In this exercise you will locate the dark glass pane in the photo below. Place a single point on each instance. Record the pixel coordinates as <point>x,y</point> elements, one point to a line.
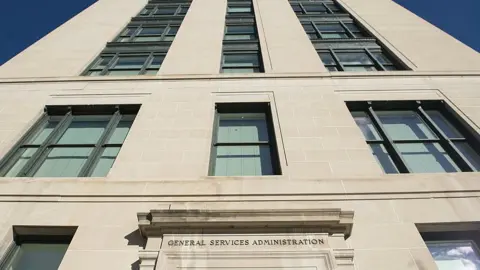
<point>133,62</point>
<point>316,8</point>
<point>157,61</point>
<point>151,31</point>
<point>183,11</point>
<point>446,127</point>
<point>240,29</point>
<point>297,8</point>
<point>102,62</point>
<point>404,125</point>
<point>359,58</point>
<point>105,162</point>
<point>166,11</point>
<point>241,60</point>
<point>352,27</point>
<point>327,58</point>
<point>359,68</point>
<point>390,67</point>
<point>383,59</point>
<point>147,39</point>
<point>173,30</point>
<point>240,37</point>
<point>64,162</point>
<point>239,10</point>
<point>330,27</point>
<point>455,255</point>
<point>334,35</point>
<point>426,158</point>
<point>383,158</point>
<point>120,132</point>
<point>334,8</point>
<point>128,31</point>
<point>332,69</point>
<point>24,157</point>
<point>308,27</point>
<point>470,154</point>
<point>366,126</point>
<point>29,256</point>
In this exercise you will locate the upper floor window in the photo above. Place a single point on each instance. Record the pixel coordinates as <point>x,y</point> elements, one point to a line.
<point>332,30</point>
<point>122,64</point>
<point>240,32</point>
<point>356,60</point>
<point>242,62</point>
<point>313,8</point>
<point>239,7</point>
<point>165,10</point>
<point>78,141</point>
<point>148,33</point>
<point>417,137</point>
<point>244,141</point>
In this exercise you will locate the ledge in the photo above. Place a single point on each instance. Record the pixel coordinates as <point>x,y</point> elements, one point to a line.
<point>158,222</point>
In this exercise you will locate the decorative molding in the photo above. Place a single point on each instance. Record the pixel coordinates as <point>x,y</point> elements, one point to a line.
<point>148,259</point>
<point>158,222</point>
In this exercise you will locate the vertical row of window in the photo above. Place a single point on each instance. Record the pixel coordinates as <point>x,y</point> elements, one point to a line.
<point>341,42</point>
<point>404,137</point>
<point>241,48</point>
<point>141,47</point>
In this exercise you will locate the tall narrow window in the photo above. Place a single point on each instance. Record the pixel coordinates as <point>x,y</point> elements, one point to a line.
<point>417,137</point>
<point>241,48</point>
<point>341,42</point>
<point>139,49</point>
<point>244,141</point>
<point>75,141</point>
<point>38,251</point>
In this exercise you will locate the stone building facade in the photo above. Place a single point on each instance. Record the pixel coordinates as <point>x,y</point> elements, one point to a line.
<point>322,201</point>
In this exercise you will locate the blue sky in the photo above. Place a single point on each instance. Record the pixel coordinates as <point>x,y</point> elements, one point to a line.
<point>30,20</point>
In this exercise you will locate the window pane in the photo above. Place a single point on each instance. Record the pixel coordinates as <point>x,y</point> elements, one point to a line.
<point>241,60</point>
<point>469,154</point>
<point>64,162</point>
<point>42,134</point>
<point>390,67</point>
<point>382,58</point>
<point>243,160</point>
<point>105,162</point>
<point>359,58</point>
<point>359,68</point>
<point>151,31</point>
<point>120,132</point>
<point>151,72</point>
<point>173,30</point>
<point>426,158</point>
<point>147,39</point>
<point>448,129</point>
<point>239,37</point>
<point>123,72</point>
<point>383,158</point>
<point>94,73</point>
<point>240,70</point>
<point>327,58</point>
<point>166,11</point>
<point>317,8</point>
<point>334,35</point>
<point>462,255</point>
<point>404,125</point>
<point>366,126</point>
<point>334,8</point>
<point>157,61</point>
<point>330,27</point>
<point>297,8</point>
<point>22,160</point>
<point>239,10</point>
<point>84,130</point>
<point>102,62</point>
<point>352,27</point>
<point>332,69</point>
<point>248,127</point>
<point>133,62</point>
<point>37,256</point>
<point>308,27</point>
<point>240,29</point>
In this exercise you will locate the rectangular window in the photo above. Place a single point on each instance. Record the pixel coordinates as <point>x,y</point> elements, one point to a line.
<point>355,60</point>
<point>244,141</point>
<point>341,41</point>
<point>140,48</point>
<point>454,250</point>
<point>38,251</point>
<point>78,141</point>
<point>241,48</point>
<point>417,137</point>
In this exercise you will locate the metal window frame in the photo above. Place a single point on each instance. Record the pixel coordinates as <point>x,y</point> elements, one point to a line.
<point>116,56</point>
<point>254,33</point>
<point>140,27</point>
<point>257,68</point>
<point>419,107</point>
<point>158,6</point>
<point>325,4</point>
<point>115,113</point>
<point>243,108</point>
<point>237,3</point>
<point>369,52</point>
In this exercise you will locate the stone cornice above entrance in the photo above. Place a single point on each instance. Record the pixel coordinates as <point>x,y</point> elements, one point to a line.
<point>330,220</point>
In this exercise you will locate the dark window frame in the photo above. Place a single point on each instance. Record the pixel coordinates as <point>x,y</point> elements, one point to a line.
<point>235,4</point>
<point>346,30</point>
<point>257,69</point>
<point>110,66</point>
<point>339,66</point>
<point>326,5</point>
<point>115,112</point>
<point>420,107</point>
<point>243,108</point>
<point>254,33</point>
<point>137,32</point>
<point>150,9</point>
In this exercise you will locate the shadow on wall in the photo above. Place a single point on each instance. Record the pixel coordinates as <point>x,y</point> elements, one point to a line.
<point>135,239</point>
